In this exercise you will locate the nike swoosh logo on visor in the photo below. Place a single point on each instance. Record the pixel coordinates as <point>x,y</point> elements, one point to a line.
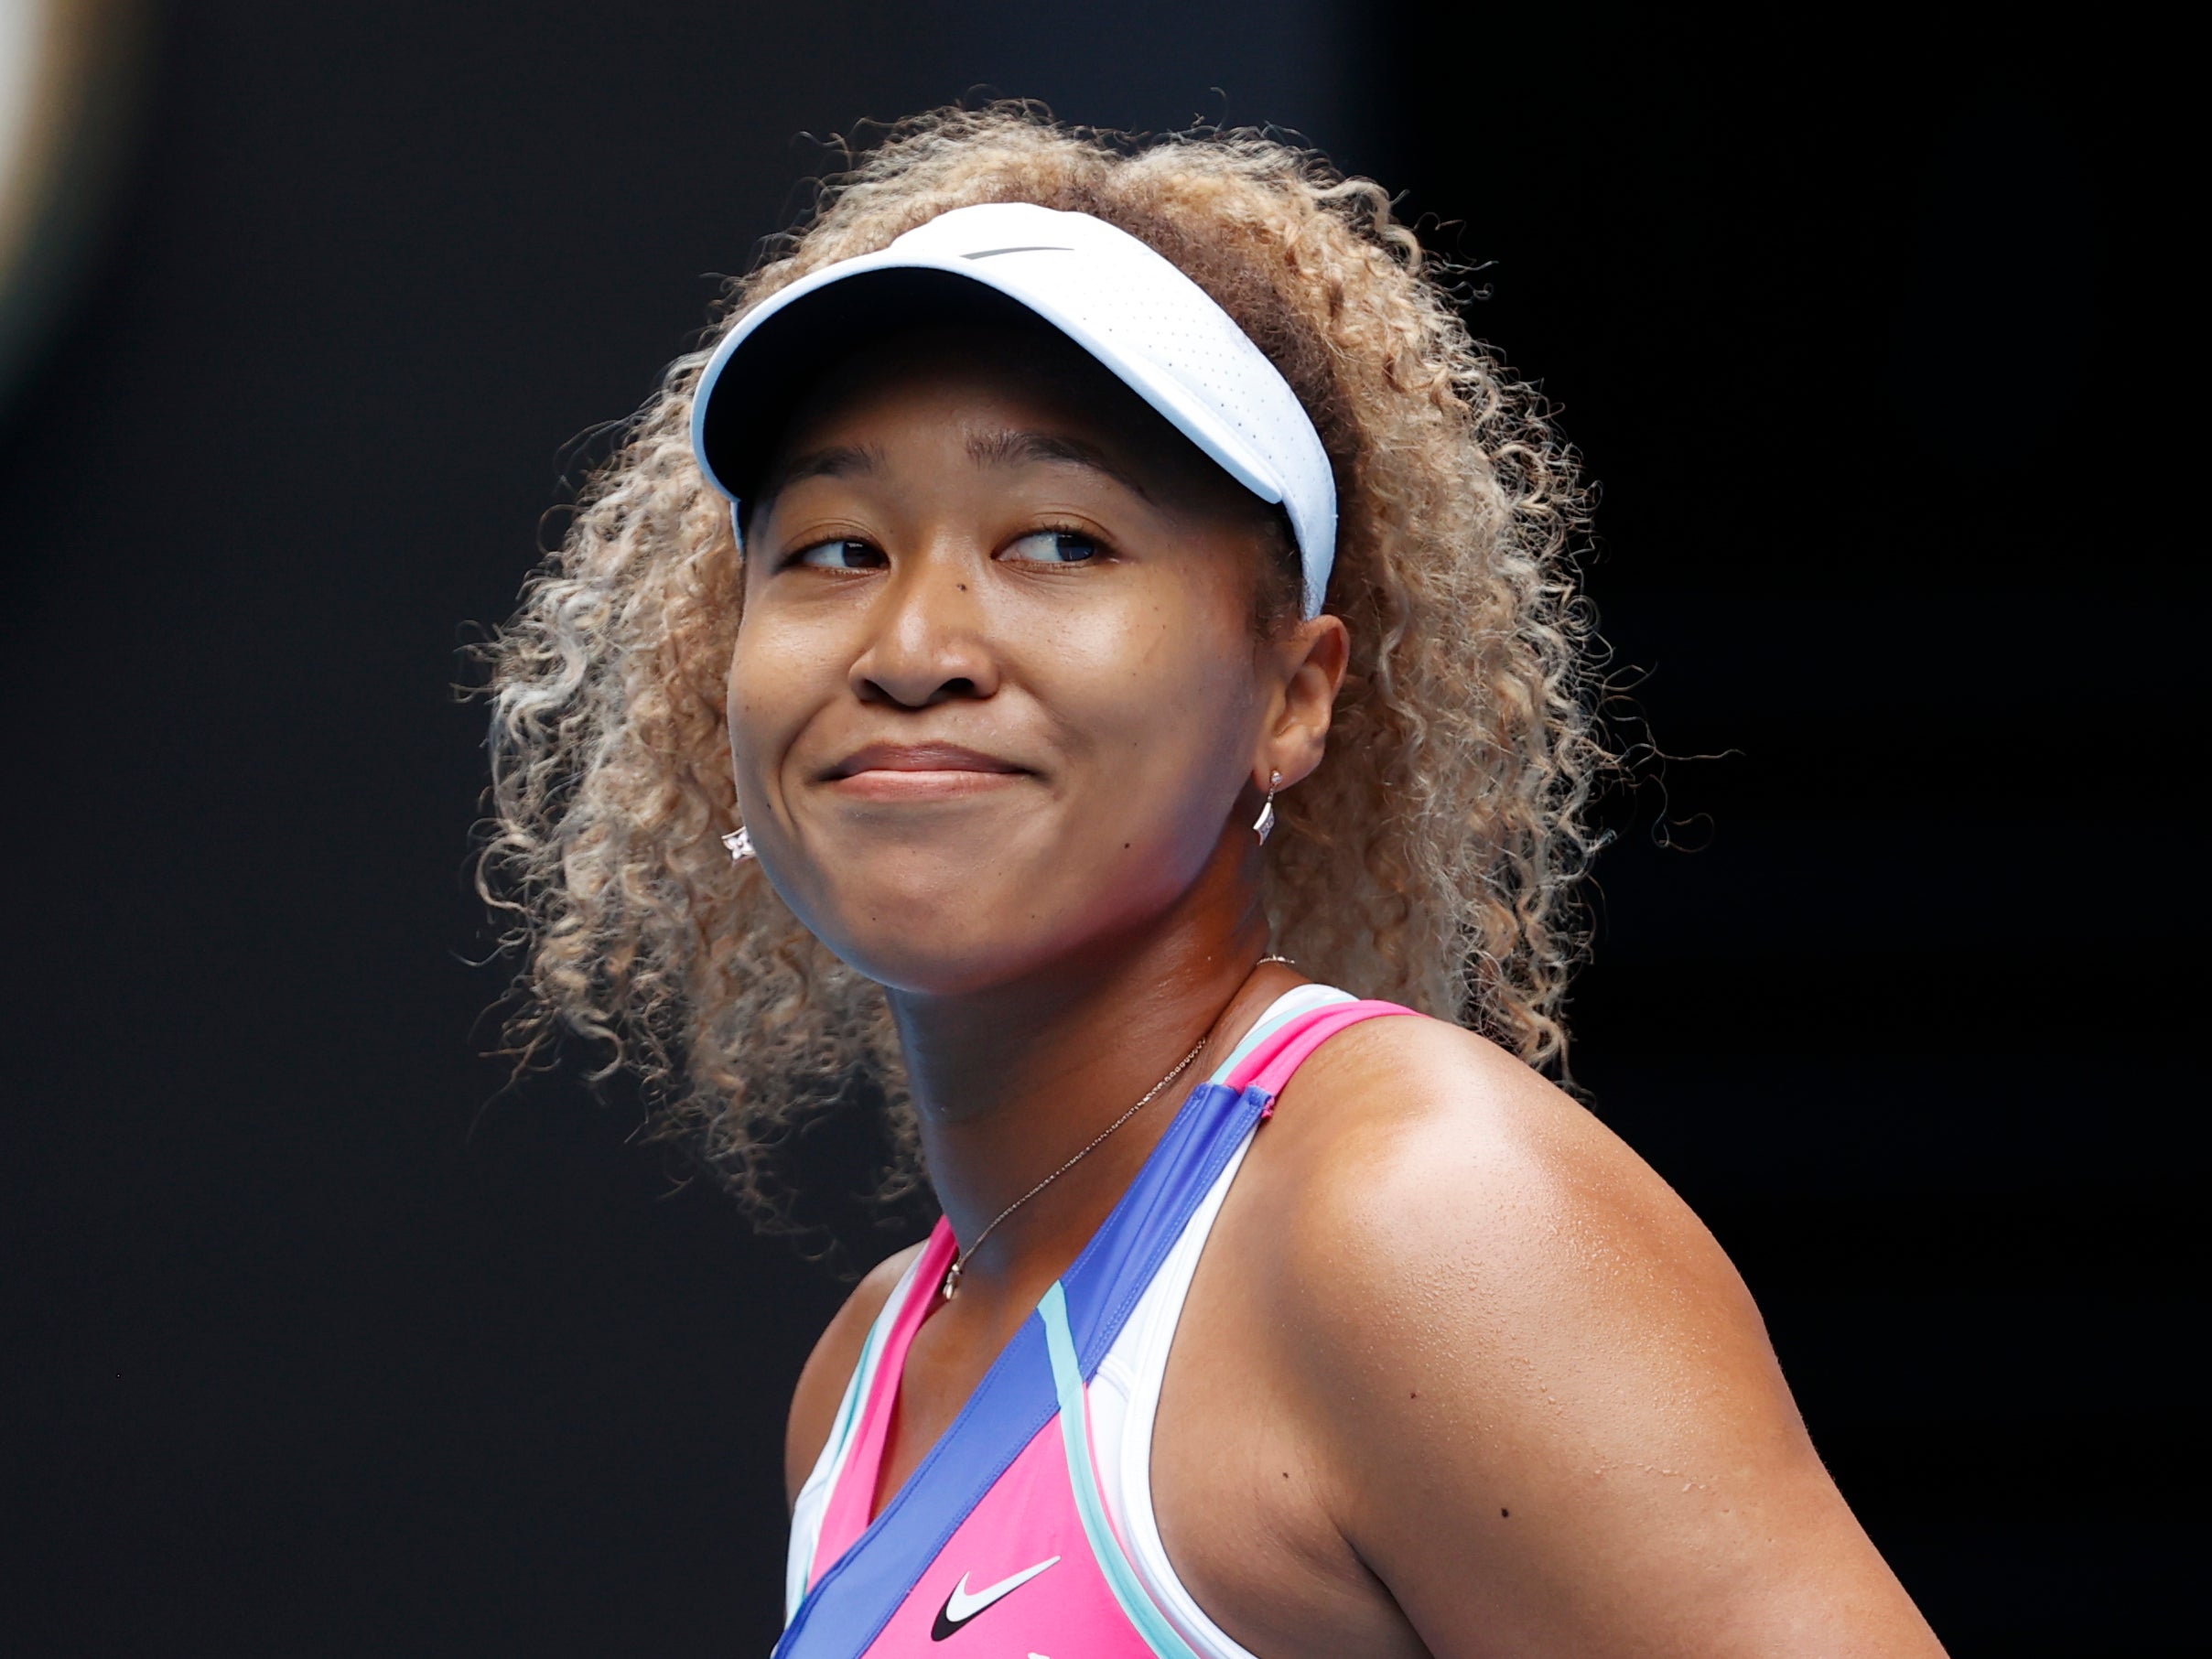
<point>994,253</point>
<point>961,1605</point>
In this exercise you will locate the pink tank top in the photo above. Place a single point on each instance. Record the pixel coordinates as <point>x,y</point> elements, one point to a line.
<point>1001,1529</point>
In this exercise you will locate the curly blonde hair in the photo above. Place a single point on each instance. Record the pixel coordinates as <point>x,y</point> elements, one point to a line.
<point>1429,860</point>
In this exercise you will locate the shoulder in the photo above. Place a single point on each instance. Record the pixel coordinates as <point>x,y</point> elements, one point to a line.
<point>821,1388</point>
<point>1416,1132</point>
<point>1412,1134</point>
<point>1490,1304</point>
<point>1448,1192</point>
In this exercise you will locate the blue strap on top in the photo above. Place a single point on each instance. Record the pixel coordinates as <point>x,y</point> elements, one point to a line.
<point>850,1604</point>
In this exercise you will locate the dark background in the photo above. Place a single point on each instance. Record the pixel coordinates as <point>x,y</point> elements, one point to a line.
<point>317,1342</point>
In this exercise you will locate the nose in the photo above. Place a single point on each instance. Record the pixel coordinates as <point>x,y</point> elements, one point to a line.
<point>927,642</point>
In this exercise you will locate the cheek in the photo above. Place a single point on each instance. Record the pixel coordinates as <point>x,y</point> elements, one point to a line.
<point>768,689</point>
<point>1157,720</point>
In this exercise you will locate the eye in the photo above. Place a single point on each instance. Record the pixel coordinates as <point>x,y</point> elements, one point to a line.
<point>844,554</point>
<point>1054,547</point>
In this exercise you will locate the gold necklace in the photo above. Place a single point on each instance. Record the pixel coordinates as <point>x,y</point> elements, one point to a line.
<point>952,1277</point>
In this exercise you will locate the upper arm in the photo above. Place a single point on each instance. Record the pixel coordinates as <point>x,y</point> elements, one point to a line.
<point>1554,1417</point>
<point>821,1388</point>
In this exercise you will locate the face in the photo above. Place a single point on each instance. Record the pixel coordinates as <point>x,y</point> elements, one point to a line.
<point>997,691</point>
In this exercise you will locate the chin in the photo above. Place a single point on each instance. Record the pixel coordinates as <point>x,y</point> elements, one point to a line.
<point>938,962</point>
<point>938,940</point>
<point>979,942</point>
<point>949,927</point>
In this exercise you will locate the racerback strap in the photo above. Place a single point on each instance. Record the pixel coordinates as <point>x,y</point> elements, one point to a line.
<point>867,1566</point>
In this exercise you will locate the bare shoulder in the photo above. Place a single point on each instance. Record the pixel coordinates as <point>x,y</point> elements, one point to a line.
<point>820,1389</point>
<point>1416,1136</point>
<point>1458,1209</point>
<point>1549,1400</point>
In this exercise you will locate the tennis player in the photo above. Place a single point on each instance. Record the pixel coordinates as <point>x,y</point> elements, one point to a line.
<point>1091,644</point>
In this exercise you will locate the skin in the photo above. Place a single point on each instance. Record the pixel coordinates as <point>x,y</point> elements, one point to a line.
<point>1497,1390</point>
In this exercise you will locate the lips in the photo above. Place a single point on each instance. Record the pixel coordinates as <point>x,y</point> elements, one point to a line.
<point>918,768</point>
<point>920,757</point>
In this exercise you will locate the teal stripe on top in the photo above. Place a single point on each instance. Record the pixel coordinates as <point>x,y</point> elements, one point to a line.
<point>1136,1605</point>
<point>799,1564</point>
<point>1068,1379</point>
<point>1300,999</point>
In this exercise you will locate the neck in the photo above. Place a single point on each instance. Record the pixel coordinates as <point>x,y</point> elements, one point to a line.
<point>1011,1081</point>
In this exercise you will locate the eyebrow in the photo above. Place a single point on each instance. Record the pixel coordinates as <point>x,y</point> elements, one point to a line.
<point>1016,448</point>
<point>838,460</point>
<point>1006,448</point>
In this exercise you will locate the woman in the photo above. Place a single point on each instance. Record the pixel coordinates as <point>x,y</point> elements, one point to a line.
<point>1105,604</point>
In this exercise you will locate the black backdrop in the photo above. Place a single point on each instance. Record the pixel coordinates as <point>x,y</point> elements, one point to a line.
<point>317,1342</point>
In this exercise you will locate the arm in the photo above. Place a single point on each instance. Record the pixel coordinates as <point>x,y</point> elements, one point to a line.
<point>821,1388</point>
<point>1550,1413</point>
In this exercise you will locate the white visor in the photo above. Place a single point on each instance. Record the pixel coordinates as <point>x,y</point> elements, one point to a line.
<point>1158,332</point>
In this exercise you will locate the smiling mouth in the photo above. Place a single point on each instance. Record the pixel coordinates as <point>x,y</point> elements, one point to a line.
<point>910,772</point>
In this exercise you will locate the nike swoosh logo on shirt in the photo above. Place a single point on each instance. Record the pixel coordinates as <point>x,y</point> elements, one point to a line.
<point>961,1605</point>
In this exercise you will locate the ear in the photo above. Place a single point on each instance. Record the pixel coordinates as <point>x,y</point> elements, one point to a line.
<point>1307,666</point>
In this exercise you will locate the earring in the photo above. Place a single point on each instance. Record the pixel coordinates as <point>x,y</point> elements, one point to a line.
<point>1265,822</point>
<point>739,843</point>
